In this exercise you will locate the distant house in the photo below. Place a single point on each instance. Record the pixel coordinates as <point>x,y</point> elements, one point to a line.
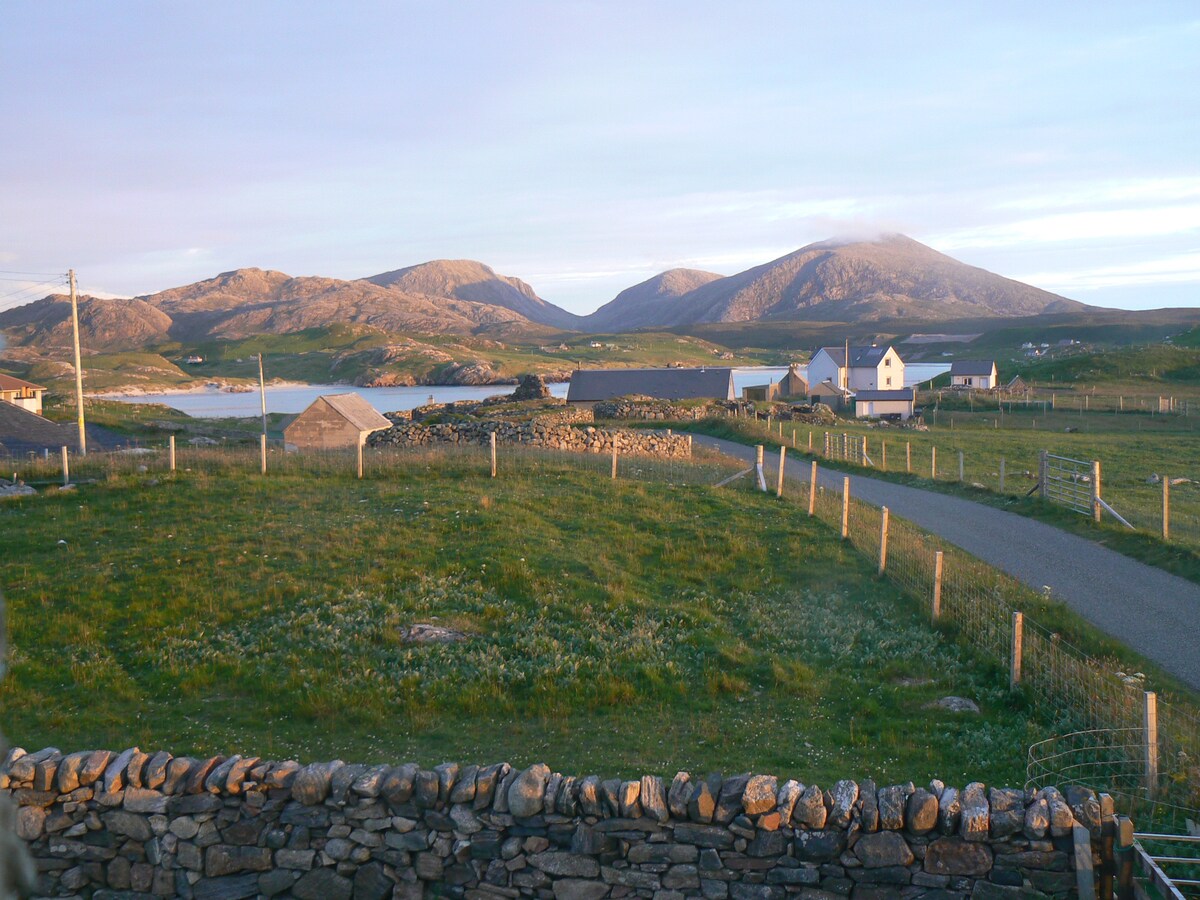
<point>977,374</point>
<point>20,393</point>
<point>868,368</point>
<point>595,385</point>
<point>790,386</point>
<point>334,422</point>
<point>884,404</point>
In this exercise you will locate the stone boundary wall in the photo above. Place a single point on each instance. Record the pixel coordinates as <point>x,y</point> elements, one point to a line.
<point>660,411</point>
<point>537,433</point>
<point>135,824</point>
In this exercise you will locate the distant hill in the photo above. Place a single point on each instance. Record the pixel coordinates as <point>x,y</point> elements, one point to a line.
<point>252,301</point>
<point>638,306</point>
<point>465,279</point>
<point>892,277</point>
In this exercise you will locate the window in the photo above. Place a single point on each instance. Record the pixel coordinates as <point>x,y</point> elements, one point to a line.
<point>887,361</point>
<point>889,381</point>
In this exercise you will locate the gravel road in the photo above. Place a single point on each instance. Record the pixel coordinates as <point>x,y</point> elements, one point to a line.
<point>1152,611</point>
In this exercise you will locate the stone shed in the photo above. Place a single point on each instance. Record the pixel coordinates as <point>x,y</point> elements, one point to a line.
<point>334,422</point>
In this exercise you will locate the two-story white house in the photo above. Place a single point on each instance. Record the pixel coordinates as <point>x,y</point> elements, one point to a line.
<point>869,368</point>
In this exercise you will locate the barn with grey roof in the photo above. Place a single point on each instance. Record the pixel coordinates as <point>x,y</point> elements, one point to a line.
<point>595,385</point>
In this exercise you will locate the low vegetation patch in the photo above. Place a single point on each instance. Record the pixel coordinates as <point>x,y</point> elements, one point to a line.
<point>613,626</point>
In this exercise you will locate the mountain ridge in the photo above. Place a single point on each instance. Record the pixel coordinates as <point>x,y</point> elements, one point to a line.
<point>892,277</point>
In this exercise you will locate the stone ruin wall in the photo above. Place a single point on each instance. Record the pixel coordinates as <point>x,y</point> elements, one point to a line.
<point>538,433</point>
<point>135,824</point>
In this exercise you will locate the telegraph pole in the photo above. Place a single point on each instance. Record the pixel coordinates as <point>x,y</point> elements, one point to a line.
<point>262,394</point>
<point>78,365</point>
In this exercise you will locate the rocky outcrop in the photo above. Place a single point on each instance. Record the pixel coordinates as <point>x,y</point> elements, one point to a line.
<point>143,824</point>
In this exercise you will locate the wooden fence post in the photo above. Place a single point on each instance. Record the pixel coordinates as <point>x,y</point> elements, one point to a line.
<point>171,451</point>
<point>1002,474</point>
<point>1096,490</point>
<point>883,539</point>
<point>66,467</point>
<point>960,466</point>
<point>793,438</point>
<point>1166,511</point>
<point>262,452</point>
<point>1124,854</point>
<point>863,461</point>
<point>1043,473</point>
<point>845,507</point>
<point>883,455</point>
<point>810,441</point>
<point>614,457</point>
<point>812,490</point>
<point>779,482</point>
<point>1014,669</point>
<point>360,460</point>
<point>933,463</point>
<point>492,442</point>
<point>908,456</point>
<point>937,585</point>
<point>759,472</point>
<point>1150,725</point>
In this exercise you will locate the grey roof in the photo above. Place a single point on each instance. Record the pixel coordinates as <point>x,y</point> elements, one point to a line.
<point>902,394</point>
<point>972,366</point>
<point>860,357</point>
<point>357,411</point>
<point>590,385</point>
<point>22,431</point>
<point>828,387</point>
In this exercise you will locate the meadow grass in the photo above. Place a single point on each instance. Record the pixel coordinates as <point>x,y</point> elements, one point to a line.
<point>613,626</point>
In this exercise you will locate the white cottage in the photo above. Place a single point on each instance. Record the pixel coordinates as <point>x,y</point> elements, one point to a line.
<point>976,374</point>
<point>884,404</point>
<point>869,368</point>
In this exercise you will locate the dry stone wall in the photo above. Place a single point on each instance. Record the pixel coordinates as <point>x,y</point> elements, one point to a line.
<point>537,433</point>
<point>135,824</point>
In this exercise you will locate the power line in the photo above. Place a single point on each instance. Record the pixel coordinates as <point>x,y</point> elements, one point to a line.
<point>43,275</point>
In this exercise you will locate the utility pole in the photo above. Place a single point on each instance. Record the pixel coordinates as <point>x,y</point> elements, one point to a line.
<point>78,365</point>
<point>262,394</point>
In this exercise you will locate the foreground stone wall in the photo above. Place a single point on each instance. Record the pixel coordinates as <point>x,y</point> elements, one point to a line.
<point>537,433</point>
<point>153,824</point>
<point>660,410</point>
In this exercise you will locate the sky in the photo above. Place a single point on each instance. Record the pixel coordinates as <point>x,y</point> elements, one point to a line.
<point>585,146</point>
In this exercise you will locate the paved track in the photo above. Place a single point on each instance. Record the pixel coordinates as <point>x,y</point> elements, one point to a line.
<point>1154,612</point>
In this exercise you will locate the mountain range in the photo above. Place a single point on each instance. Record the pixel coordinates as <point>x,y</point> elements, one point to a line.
<point>832,281</point>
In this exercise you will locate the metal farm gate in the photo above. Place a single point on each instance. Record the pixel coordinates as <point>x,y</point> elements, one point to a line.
<point>1073,483</point>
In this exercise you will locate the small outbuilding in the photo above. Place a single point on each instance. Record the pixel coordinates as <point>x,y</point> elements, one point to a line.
<point>975,374</point>
<point>334,422</point>
<point>596,385</point>
<point>791,386</point>
<point>835,397</point>
<point>884,404</point>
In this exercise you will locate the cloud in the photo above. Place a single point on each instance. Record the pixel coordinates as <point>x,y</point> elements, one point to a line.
<point>1181,269</point>
<point>1090,225</point>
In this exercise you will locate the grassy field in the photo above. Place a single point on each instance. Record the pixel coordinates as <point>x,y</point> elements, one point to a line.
<point>620,627</point>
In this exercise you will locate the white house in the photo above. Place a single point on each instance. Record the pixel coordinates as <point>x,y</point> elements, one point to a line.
<point>884,404</point>
<point>20,393</point>
<point>976,374</point>
<point>870,368</point>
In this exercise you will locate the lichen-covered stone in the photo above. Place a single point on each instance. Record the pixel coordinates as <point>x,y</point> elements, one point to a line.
<point>974,822</point>
<point>881,849</point>
<point>527,791</point>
